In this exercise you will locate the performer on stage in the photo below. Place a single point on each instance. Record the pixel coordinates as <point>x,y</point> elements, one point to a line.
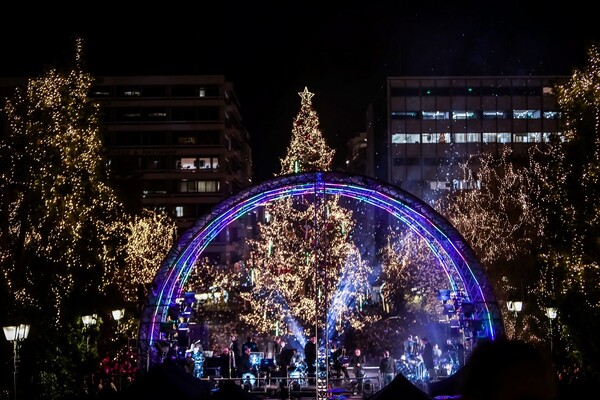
<point>310,356</point>
<point>341,363</point>
<point>198,357</point>
<point>387,367</point>
<point>358,362</point>
<point>427,356</point>
<point>236,353</point>
<point>227,363</point>
<point>245,363</point>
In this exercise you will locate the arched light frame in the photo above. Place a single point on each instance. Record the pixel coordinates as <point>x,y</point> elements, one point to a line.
<point>456,258</point>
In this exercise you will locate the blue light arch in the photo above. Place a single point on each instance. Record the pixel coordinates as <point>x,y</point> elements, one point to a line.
<point>455,256</point>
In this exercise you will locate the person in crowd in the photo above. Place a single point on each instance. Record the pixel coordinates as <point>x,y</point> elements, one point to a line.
<point>188,363</point>
<point>508,370</point>
<point>387,367</point>
<point>358,362</point>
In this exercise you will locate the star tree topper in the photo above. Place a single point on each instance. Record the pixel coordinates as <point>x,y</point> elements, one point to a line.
<point>306,95</point>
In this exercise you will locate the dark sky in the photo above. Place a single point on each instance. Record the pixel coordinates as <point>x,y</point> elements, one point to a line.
<point>342,55</point>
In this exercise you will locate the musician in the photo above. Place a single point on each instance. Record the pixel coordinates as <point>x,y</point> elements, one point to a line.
<point>226,363</point>
<point>198,357</point>
<point>245,364</point>
<point>387,367</point>
<point>437,352</point>
<point>281,358</point>
<point>310,354</point>
<point>251,343</point>
<point>409,345</point>
<point>358,362</point>
<point>296,360</point>
<point>272,347</point>
<point>450,351</point>
<point>460,353</point>
<point>236,352</point>
<point>341,363</point>
<point>427,355</point>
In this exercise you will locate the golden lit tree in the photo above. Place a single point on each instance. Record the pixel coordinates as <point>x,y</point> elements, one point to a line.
<point>304,256</point>
<point>569,182</point>
<point>149,237</point>
<point>61,221</point>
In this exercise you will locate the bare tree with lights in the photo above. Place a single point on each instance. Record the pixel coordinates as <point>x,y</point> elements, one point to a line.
<point>500,220</point>
<point>569,185</point>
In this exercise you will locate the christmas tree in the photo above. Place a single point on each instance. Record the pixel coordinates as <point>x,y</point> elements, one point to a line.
<point>304,258</point>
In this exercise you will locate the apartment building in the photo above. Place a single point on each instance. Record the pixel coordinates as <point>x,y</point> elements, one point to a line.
<point>420,129</point>
<point>176,144</point>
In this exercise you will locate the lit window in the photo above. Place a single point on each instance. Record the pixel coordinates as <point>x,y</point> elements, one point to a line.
<point>493,115</point>
<point>473,138</point>
<point>490,137</point>
<point>464,115</point>
<point>551,114</point>
<point>547,90</point>
<point>504,137</point>
<point>187,163</point>
<point>435,115</point>
<point>526,114</point>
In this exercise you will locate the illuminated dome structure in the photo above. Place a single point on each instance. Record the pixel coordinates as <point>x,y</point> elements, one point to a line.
<point>456,259</point>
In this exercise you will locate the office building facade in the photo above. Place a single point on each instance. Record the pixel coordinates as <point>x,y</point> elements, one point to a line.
<point>420,129</point>
<point>177,144</point>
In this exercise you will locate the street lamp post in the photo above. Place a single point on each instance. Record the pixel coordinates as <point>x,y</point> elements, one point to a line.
<point>551,313</point>
<point>515,307</point>
<point>88,321</point>
<point>117,315</point>
<point>16,334</point>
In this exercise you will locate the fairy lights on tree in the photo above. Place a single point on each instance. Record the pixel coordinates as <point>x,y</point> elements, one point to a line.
<point>296,263</point>
<point>150,236</point>
<point>59,233</point>
<point>62,222</point>
<point>64,234</point>
<point>499,218</point>
<point>569,182</point>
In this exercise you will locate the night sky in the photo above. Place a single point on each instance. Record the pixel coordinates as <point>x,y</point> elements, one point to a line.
<point>342,55</point>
